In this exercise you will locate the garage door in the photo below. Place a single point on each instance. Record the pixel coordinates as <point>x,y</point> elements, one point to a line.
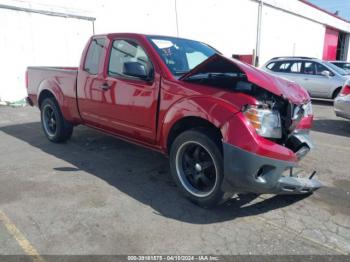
<point>330,44</point>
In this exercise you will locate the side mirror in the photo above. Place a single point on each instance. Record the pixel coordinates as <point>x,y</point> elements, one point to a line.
<point>135,69</point>
<point>326,73</point>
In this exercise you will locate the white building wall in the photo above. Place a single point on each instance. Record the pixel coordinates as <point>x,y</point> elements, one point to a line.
<point>284,34</point>
<point>36,40</point>
<point>137,16</point>
<point>229,26</point>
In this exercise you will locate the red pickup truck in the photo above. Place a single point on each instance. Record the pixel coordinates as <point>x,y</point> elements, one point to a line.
<point>226,126</point>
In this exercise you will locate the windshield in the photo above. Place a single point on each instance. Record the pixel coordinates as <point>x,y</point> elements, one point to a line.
<point>181,55</point>
<point>337,69</point>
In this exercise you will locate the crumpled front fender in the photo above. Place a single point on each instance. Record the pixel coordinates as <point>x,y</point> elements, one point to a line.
<point>240,133</point>
<point>215,111</point>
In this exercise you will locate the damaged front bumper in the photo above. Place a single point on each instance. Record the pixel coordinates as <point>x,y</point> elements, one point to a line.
<point>246,172</point>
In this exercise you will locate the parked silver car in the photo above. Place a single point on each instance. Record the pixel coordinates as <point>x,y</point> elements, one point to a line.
<point>343,65</point>
<point>321,79</point>
<point>342,102</point>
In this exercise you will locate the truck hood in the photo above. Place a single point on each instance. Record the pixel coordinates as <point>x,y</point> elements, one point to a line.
<point>279,86</point>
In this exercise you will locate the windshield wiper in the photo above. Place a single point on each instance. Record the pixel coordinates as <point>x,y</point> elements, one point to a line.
<point>179,73</point>
<point>213,75</point>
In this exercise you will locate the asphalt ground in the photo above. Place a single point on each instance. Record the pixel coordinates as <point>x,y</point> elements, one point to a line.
<point>99,195</point>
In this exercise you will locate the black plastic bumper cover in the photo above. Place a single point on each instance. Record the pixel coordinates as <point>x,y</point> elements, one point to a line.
<point>246,172</point>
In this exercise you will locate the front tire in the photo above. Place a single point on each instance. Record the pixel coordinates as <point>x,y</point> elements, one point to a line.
<point>196,165</point>
<point>55,127</point>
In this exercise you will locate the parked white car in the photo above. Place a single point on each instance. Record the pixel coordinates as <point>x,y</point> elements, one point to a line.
<point>321,79</point>
<point>342,102</point>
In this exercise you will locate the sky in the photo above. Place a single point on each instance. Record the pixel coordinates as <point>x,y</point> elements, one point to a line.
<point>343,6</point>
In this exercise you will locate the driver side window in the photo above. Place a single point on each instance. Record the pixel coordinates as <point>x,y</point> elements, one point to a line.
<point>320,68</point>
<point>124,51</point>
<point>312,68</point>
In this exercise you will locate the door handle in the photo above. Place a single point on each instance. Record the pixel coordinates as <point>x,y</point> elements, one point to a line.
<point>105,87</point>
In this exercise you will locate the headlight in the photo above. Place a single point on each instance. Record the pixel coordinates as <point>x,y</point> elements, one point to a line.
<point>308,109</point>
<point>266,122</point>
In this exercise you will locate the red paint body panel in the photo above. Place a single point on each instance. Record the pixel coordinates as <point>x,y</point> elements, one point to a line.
<point>180,99</point>
<point>239,132</point>
<point>306,123</point>
<point>144,112</point>
<point>244,58</point>
<point>330,44</point>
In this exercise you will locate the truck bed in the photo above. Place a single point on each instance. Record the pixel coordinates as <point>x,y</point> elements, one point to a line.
<point>62,79</point>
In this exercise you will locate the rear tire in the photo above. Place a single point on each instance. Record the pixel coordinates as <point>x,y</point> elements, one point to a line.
<point>336,93</point>
<point>196,165</point>
<point>55,127</point>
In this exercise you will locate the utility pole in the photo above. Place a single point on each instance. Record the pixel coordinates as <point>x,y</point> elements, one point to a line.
<point>177,19</point>
<point>258,33</point>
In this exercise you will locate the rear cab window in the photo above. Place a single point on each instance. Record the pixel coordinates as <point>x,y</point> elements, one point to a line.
<point>94,55</point>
